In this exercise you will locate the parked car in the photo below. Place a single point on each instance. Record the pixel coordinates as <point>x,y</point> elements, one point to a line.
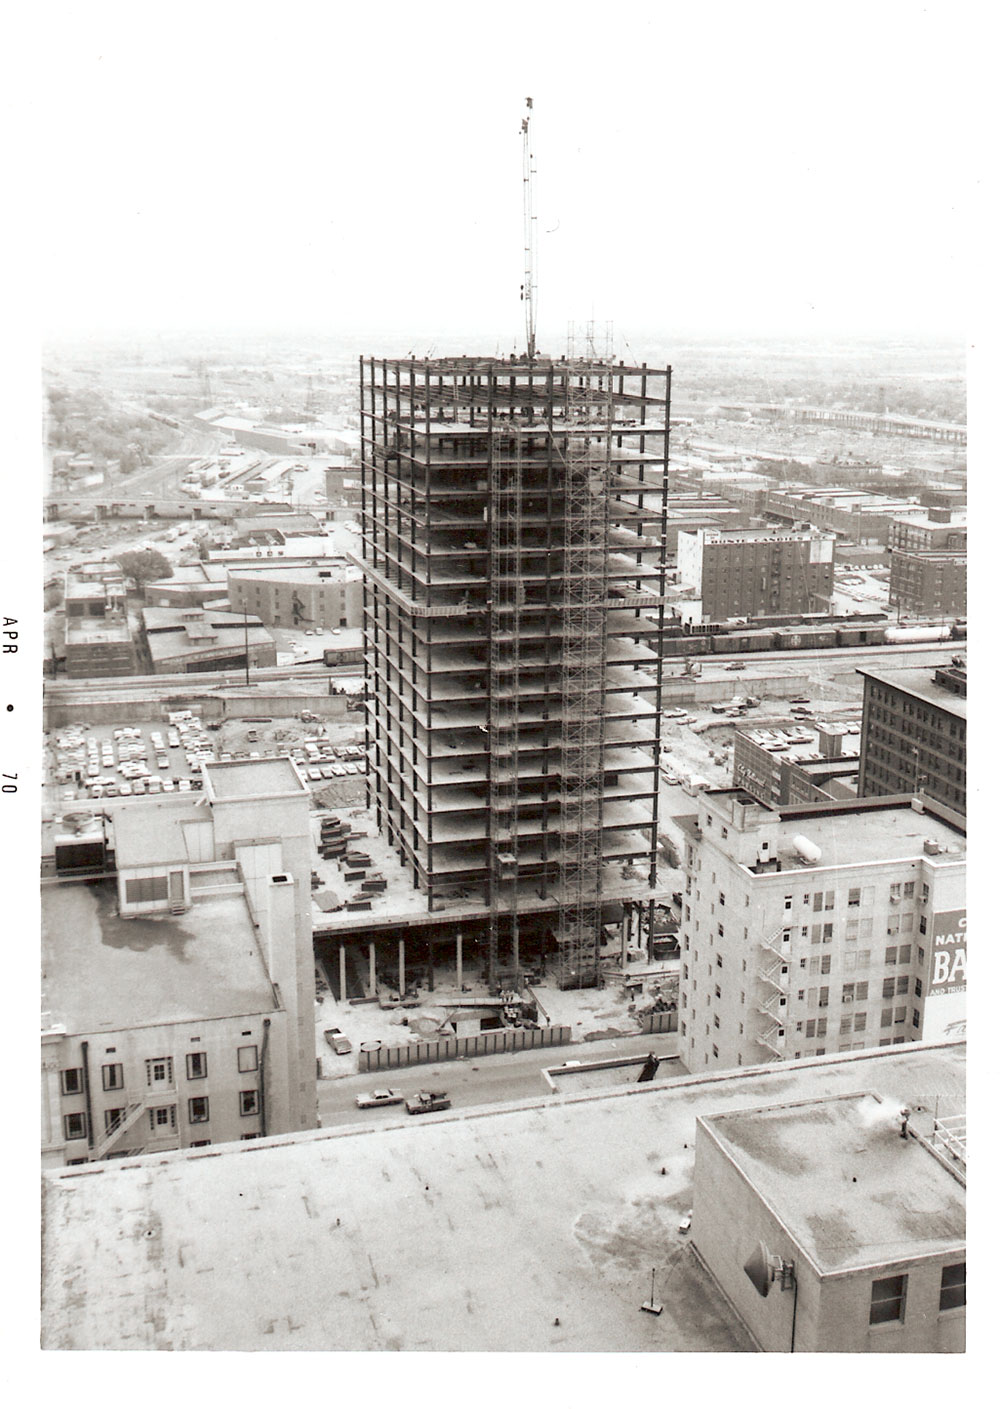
<point>425,1101</point>
<point>383,1097</point>
<point>336,1039</point>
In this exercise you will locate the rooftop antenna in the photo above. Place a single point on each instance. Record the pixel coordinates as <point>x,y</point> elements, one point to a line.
<point>528,291</point>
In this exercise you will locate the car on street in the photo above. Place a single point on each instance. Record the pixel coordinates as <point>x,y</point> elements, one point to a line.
<point>385,1096</point>
<point>800,699</point>
<point>736,665</point>
<point>425,1101</point>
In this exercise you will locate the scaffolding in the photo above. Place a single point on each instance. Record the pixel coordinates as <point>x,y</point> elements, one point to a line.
<point>505,605</point>
<point>586,486</point>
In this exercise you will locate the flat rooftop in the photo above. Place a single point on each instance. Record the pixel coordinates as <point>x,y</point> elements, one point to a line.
<point>848,1188</point>
<point>848,833</point>
<point>253,778</point>
<point>527,1227</point>
<point>920,683</point>
<point>101,972</point>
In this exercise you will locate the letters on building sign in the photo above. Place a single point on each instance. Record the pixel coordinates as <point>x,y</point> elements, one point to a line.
<point>948,951</point>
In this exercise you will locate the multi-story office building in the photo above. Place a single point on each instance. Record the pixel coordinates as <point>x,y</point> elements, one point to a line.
<point>321,596</point>
<point>746,574</point>
<point>514,553</point>
<point>913,732</point>
<point>178,979</point>
<point>819,928</point>
<point>928,583</point>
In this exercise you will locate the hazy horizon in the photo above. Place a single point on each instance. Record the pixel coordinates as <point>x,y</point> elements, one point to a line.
<point>727,173</point>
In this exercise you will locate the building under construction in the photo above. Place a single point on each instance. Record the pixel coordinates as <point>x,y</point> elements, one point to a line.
<point>514,516</point>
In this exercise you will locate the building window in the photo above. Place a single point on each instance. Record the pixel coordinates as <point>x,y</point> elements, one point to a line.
<point>75,1126</point>
<point>888,1300</point>
<point>247,1056</point>
<point>159,1070</point>
<point>860,1021</point>
<point>112,1118</point>
<point>72,1081</point>
<point>249,1102</point>
<point>197,1109</point>
<point>918,988</point>
<point>162,1119</point>
<point>904,953</point>
<point>113,1076</point>
<point>916,1017</point>
<point>197,1065</point>
<point>952,1286</point>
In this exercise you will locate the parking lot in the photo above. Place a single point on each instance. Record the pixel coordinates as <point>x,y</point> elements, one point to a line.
<point>88,762</point>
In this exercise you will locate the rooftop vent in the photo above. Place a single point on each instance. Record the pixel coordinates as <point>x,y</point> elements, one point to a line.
<point>931,848</point>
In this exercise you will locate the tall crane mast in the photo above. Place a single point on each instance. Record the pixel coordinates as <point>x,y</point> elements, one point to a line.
<point>528,290</point>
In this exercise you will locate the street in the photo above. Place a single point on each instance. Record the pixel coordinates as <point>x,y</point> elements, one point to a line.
<point>514,1076</point>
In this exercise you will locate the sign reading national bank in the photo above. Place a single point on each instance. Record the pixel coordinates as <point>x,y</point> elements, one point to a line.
<point>944,1010</point>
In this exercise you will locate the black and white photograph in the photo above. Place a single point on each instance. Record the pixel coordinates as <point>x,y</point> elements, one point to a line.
<point>484,658</point>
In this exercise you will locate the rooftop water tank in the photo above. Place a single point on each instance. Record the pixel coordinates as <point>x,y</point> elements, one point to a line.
<point>807,850</point>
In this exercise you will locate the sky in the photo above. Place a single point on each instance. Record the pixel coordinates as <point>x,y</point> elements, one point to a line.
<point>720,168</point>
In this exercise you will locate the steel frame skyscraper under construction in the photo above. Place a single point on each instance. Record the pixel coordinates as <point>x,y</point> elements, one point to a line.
<point>514,516</point>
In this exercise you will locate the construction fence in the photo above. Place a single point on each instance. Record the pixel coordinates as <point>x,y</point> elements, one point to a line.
<point>449,1049</point>
<point>660,1022</point>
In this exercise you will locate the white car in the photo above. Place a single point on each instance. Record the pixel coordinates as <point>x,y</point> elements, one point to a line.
<point>168,785</point>
<point>184,785</point>
<point>385,1096</point>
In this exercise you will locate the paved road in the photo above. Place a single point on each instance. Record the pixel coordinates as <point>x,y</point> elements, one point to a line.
<point>515,1076</point>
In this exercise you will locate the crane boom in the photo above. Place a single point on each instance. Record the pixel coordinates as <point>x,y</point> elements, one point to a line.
<point>528,290</point>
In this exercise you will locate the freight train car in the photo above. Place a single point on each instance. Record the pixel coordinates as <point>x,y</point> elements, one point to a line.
<point>749,640</point>
<point>860,635</point>
<point>899,635</point>
<point>804,638</point>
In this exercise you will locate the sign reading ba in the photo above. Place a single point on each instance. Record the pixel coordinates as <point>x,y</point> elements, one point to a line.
<point>948,950</point>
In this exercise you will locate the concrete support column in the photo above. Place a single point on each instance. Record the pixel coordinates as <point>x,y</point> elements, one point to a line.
<point>402,968</point>
<point>343,974</point>
<point>458,959</point>
<point>371,967</point>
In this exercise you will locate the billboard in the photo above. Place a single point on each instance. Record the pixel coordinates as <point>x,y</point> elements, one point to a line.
<point>944,1008</point>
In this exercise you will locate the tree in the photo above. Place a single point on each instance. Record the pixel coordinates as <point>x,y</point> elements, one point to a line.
<point>144,565</point>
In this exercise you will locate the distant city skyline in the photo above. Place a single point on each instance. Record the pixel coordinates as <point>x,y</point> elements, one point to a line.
<point>727,172</point>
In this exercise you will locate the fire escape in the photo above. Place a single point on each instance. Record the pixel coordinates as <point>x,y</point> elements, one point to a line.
<point>773,973</point>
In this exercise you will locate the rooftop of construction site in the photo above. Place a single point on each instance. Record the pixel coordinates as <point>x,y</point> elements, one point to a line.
<point>102,972</point>
<point>526,1227</point>
<point>849,833</point>
<point>848,1186</point>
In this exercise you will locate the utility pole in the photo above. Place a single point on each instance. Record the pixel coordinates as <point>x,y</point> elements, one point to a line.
<point>246,646</point>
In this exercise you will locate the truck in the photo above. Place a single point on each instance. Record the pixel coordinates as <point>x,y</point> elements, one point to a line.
<point>425,1101</point>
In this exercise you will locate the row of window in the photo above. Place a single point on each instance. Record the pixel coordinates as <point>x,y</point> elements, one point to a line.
<point>159,1071</point>
<point>161,1118</point>
<point>888,1301</point>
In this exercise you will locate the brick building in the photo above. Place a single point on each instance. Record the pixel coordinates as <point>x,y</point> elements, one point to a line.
<point>748,574</point>
<point>913,732</point>
<point>786,762</point>
<point>326,596</point>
